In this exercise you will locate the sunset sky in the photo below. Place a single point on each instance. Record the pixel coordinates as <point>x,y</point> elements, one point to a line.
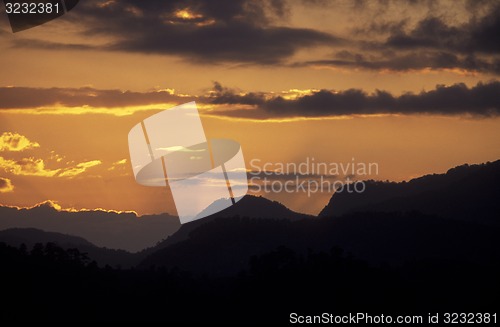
<point>410,85</point>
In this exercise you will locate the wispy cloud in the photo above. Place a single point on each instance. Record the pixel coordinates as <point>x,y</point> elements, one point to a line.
<point>79,168</point>
<point>36,167</point>
<point>27,167</point>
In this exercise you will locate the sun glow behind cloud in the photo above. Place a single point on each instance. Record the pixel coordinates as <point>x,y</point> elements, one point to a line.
<point>56,206</point>
<point>37,167</point>
<point>186,14</point>
<point>82,110</point>
<point>10,141</point>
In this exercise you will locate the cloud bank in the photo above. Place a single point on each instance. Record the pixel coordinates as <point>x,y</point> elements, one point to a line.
<point>480,100</point>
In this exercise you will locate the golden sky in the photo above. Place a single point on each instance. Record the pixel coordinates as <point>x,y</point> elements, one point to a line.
<point>410,85</point>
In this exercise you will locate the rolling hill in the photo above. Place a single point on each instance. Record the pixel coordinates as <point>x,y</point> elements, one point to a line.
<point>103,256</point>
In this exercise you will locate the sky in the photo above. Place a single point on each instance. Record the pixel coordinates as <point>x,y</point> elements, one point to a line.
<point>409,85</point>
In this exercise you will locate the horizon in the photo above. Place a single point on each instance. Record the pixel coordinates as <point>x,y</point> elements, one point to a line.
<point>412,89</point>
<point>56,206</point>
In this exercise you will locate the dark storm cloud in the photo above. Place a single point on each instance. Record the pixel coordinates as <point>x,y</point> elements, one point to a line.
<point>480,100</point>
<point>28,97</point>
<point>240,31</point>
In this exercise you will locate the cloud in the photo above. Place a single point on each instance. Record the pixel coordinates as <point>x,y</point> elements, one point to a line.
<point>16,142</point>
<point>224,95</point>
<point>32,166</point>
<point>30,97</point>
<point>36,167</point>
<point>477,35</point>
<point>79,168</point>
<point>242,31</point>
<point>93,100</point>
<point>438,36</point>
<point>415,60</point>
<point>6,185</point>
<point>480,100</point>
<point>27,167</point>
<point>433,42</point>
<point>120,162</point>
<point>457,99</point>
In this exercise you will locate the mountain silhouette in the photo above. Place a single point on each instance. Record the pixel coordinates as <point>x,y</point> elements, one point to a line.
<point>31,236</point>
<point>435,216</point>
<point>249,206</point>
<point>115,230</point>
<point>220,246</point>
<point>467,192</point>
<point>260,260</point>
<point>259,207</point>
<point>103,256</point>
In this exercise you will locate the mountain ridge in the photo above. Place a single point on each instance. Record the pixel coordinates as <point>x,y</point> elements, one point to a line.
<point>466,192</point>
<point>103,256</point>
<point>249,206</point>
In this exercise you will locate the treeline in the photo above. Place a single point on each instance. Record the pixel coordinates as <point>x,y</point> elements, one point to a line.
<point>53,284</point>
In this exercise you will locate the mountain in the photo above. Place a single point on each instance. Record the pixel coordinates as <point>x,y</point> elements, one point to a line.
<point>249,206</point>
<point>30,236</point>
<point>452,216</point>
<point>116,230</point>
<point>259,207</point>
<point>103,256</point>
<point>223,245</point>
<point>467,192</point>
<point>126,230</point>
<point>370,260</point>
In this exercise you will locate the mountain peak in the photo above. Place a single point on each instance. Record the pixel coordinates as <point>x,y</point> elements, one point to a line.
<point>465,192</point>
<point>259,207</point>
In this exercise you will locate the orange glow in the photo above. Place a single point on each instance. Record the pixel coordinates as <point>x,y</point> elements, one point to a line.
<point>186,15</point>
<point>55,205</point>
<point>79,156</point>
<point>82,110</point>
